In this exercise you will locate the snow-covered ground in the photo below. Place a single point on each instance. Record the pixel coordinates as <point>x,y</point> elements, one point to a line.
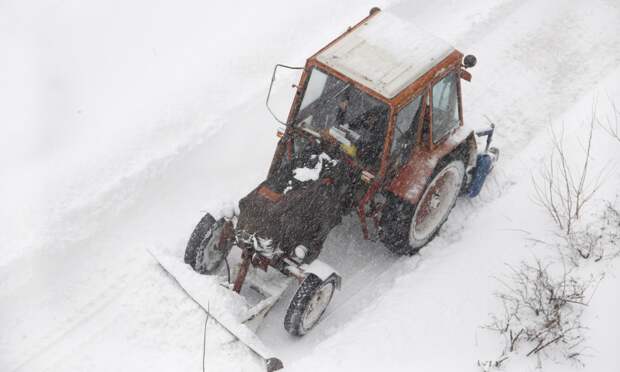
<point>123,122</point>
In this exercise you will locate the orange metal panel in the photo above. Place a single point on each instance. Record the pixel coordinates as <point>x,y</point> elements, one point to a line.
<point>269,194</point>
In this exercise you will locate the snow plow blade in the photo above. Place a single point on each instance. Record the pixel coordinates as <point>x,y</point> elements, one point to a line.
<point>220,303</point>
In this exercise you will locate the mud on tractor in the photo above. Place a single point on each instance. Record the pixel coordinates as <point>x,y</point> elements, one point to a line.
<point>375,129</point>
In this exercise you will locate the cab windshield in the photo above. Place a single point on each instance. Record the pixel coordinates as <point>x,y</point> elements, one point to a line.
<point>329,102</point>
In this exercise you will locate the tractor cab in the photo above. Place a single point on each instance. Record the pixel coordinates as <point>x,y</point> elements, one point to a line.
<point>382,105</point>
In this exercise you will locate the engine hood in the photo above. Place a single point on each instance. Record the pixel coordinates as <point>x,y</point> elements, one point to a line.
<point>300,216</point>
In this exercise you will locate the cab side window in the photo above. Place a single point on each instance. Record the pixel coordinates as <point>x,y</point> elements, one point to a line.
<point>405,130</point>
<point>445,107</point>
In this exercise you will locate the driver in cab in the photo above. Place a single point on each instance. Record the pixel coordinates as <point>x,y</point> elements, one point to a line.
<point>369,124</point>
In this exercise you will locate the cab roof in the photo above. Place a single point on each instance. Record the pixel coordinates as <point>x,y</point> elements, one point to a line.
<point>385,53</point>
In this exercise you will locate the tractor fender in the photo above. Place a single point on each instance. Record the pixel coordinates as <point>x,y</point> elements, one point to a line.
<point>323,271</point>
<point>411,180</point>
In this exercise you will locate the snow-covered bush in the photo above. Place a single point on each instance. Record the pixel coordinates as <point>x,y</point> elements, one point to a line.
<point>541,313</point>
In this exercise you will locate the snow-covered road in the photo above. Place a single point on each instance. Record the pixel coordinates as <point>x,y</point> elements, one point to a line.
<point>79,291</point>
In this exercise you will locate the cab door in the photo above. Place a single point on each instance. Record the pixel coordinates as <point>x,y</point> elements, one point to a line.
<point>445,110</point>
<point>406,132</point>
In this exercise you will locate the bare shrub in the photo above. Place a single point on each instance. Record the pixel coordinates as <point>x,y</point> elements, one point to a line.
<point>586,244</point>
<point>611,218</point>
<point>612,124</point>
<point>559,188</point>
<point>599,240</point>
<point>541,312</point>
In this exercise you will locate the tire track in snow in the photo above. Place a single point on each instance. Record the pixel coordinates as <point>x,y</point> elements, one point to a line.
<point>115,200</point>
<point>54,344</point>
<point>100,309</point>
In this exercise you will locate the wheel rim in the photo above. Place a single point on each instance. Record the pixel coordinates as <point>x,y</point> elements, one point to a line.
<point>208,255</point>
<point>317,305</point>
<point>436,202</point>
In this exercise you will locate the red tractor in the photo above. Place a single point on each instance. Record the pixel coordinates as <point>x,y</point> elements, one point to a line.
<point>376,129</point>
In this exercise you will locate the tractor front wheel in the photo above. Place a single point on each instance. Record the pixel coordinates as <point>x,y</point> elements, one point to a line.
<point>308,304</point>
<point>207,248</point>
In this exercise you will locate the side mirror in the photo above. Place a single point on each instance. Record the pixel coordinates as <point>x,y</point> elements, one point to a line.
<point>279,93</point>
<point>469,61</point>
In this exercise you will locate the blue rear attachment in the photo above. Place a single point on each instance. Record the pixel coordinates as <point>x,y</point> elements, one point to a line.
<point>484,164</point>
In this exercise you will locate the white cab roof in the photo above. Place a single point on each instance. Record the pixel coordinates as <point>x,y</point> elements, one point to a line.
<point>385,53</point>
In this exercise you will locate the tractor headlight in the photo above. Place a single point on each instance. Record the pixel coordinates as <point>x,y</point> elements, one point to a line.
<point>300,252</point>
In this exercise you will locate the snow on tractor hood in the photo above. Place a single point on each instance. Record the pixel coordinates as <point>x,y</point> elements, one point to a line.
<point>304,174</point>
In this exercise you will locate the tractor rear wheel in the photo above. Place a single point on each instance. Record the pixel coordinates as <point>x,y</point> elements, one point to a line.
<point>407,228</point>
<point>206,248</point>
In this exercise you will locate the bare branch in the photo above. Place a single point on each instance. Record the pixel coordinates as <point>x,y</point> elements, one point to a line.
<point>561,190</point>
<point>541,310</point>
